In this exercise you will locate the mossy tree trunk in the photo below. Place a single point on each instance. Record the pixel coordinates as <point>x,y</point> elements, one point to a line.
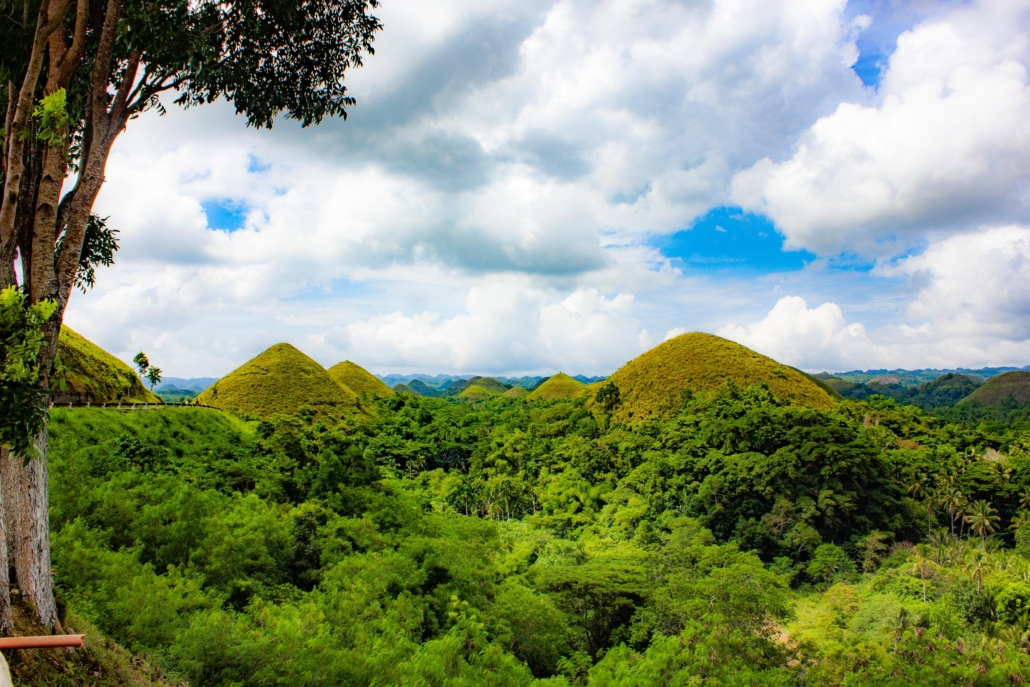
<point>6,621</point>
<point>26,513</point>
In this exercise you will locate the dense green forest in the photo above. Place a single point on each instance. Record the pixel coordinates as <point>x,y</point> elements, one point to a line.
<point>740,541</point>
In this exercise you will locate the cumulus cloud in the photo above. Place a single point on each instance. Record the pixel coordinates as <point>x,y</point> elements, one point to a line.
<point>491,202</point>
<point>970,308</point>
<point>974,285</point>
<point>947,146</point>
<point>816,338</point>
<point>506,327</point>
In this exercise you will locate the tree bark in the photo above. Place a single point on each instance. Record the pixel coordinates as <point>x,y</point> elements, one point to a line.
<point>26,507</point>
<point>6,621</point>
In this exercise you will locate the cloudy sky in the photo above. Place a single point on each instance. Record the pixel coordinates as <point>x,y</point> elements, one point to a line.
<point>528,186</point>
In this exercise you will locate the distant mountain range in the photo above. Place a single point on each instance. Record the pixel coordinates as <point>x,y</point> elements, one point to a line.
<point>915,377</point>
<point>186,384</point>
<point>441,381</point>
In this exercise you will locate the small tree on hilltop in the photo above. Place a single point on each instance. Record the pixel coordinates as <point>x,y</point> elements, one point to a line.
<point>154,376</point>
<point>142,362</point>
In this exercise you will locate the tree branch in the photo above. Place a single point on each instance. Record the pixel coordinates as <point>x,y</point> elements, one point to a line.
<point>102,66</point>
<point>26,99</point>
<point>74,53</point>
<point>121,97</point>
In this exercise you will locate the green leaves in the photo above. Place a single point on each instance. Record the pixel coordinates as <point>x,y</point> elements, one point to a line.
<point>52,119</point>
<point>23,403</point>
<point>98,248</point>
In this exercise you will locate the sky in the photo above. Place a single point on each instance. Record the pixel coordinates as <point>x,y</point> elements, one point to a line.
<point>528,186</point>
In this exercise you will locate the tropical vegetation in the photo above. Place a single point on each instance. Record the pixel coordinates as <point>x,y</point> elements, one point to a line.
<point>738,539</point>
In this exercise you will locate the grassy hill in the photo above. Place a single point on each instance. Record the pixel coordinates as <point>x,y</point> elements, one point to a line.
<point>653,383</point>
<point>475,392</point>
<point>280,380</point>
<point>1011,387</point>
<point>358,379</point>
<point>487,384</point>
<point>90,373</point>
<point>559,386</point>
<point>516,392</point>
<point>942,391</point>
<point>405,389</point>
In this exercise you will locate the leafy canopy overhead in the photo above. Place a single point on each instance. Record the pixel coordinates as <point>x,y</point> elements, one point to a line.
<point>267,57</point>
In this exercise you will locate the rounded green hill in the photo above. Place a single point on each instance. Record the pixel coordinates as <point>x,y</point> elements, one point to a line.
<point>89,373</point>
<point>280,380</point>
<point>488,384</point>
<point>475,392</point>
<point>515,392</point>
<point>1010,386</point>
<point>359,380</point>
<point>559,386</point>
<point>652,384</point>
<point>404,389</point>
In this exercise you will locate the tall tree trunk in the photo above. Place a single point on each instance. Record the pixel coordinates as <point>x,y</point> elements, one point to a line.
<point>26,508</point>
<point>6,622</point>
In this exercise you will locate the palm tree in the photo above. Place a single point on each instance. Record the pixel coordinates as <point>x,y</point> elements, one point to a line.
<point>1019,519</point>
<point>951,497</point>
<point>922,560</point>
<point>899,623</point>
<point>983,520</point>
<point>1024,499</point>
<point>917,488</point>
<point>977,566</point>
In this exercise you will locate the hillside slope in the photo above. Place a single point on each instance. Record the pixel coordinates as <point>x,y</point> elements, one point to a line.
<point>559,386</point>
<point>280,380</point>
<point>652,384</point>
<point>1011,387</point>
<point>90,373</point>
<point>358,379</point>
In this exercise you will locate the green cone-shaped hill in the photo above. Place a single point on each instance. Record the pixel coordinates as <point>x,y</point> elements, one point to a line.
<point>1011,386</point>
<point>358,379</point>
<point>652,384</point>
<point>559,386</point>
<point>280,380</point>
<point>90,373</point>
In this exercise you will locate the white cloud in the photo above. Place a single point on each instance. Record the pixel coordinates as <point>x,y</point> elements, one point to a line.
<point>497,182</point>
<point>947,146</point>
<point>507,326</point>
<point>971,308</point>
<point>817,338</point>
<point>974,285</point>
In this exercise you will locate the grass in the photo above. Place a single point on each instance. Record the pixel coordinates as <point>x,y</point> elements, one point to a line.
<point>358,379</point>
<point>405,389</point>
<point>559,386</point>
<point>476,392</point>
<point>89,373</point>
<point>100,663</point>
<point>487,384</point>
<point>1011,385</point>
<point>516,392</point>
<point>280,380</point>
<point>652,384</point>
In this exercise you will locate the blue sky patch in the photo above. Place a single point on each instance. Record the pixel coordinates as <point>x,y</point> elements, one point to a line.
<point>225,214</point>
<point>869,68</point>
<point>727,238</point>
<point>255,165</point>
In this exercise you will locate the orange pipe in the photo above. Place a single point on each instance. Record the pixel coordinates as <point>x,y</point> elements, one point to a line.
<point>40,642</point>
